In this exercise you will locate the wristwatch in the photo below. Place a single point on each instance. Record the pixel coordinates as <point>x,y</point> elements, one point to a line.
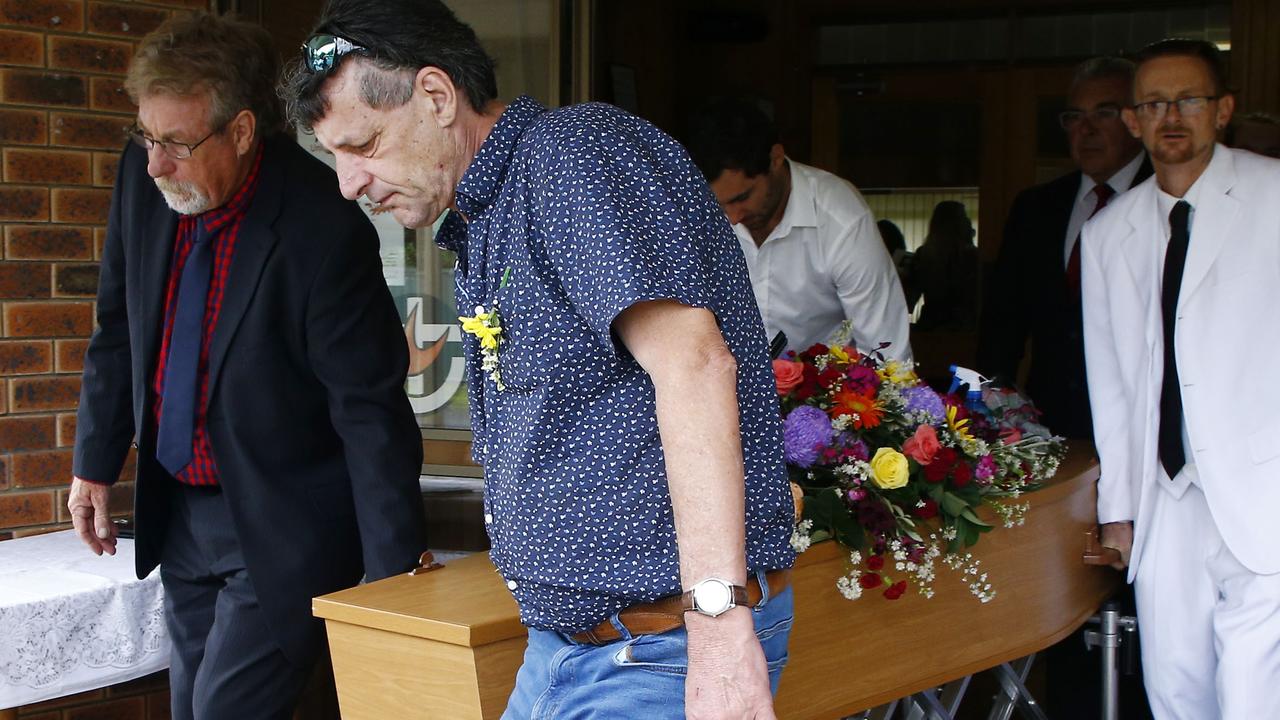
<point>713,597</point>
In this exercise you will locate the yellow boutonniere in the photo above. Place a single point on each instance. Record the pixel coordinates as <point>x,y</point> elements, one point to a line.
<point>486,326</point>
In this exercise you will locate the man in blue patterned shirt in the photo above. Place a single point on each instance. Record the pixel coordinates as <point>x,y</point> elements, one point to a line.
<point>625,412</point>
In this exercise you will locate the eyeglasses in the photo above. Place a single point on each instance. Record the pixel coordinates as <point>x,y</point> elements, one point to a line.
<point>175,150</point>
<point>1069,119</point>
<point>1187,107</point>
<point>324,51</point>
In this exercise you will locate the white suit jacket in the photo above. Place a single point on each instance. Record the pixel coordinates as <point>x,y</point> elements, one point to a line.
<point>1227,345</point>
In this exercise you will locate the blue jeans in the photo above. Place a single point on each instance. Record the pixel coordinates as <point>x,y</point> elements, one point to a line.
<point>639,676</point>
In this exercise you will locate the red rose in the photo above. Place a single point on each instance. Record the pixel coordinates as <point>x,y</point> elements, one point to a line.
<point>787,374</point>
<point>943,460</point>
<point>815,350</point>
<point>962,474</point>
<point>869,581</point>
<point>921,446</point>
<point>828,377</point>
<point>895,591</point>
<point>875,562</point>
<point>926,511</point>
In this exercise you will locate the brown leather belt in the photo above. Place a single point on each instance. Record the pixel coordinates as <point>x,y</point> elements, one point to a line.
<point>665,613</point>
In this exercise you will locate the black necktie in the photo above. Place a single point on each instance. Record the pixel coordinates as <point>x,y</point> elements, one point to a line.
<point>175,438</point>
<point>1172,454</point>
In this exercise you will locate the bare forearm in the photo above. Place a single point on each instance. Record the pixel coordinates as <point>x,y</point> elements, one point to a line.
<point>697,411</point>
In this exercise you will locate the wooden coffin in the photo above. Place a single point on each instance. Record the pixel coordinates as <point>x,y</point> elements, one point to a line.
<point>446,644</point>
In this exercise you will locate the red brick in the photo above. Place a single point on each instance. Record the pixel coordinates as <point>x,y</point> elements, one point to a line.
<point>48,242</point>
<point>69,355</point>
<point>48,319</point>
<point>142,685</point>
<point>52,167</point>
<point>4,471</point>
<point>81,206</point>
<point>27,433</point>
<point>4,396</point>
<point>66,430</point>
<point>158,706</point>
<point>65,15</point>
<point>26,87</point>
<point>108,94</point>
<point>21,48</point>
<point>100,132</point>
<point>24,204</point>
<point>43,716</point>
<point>24,280</point>
<point>99,239</point>
<point>104,168</point>
<point>32,532</point>
<point>61,392</point>
<point>8,535</point>
<point>28,508</point>
<point>108,18</point>
<point>77,699</point>
<point>23,127</point>
<point>79,53</point>
<point>75,280</point>
<point>26,358</point>
<point>41,469</point>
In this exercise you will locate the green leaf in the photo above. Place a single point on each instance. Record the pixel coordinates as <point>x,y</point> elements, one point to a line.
<point>971,516</point>
<point>953,505</point>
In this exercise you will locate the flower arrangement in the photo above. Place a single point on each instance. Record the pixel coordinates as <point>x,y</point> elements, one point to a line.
<point>897,472</point>
<point>486,326</point>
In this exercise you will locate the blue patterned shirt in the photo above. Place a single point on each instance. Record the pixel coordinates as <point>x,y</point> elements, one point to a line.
<point>587,210</point>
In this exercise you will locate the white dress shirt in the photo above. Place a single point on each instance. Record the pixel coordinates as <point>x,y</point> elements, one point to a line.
<point>1165,201</point>
<point>825,263</point>
<point>1087,201</point>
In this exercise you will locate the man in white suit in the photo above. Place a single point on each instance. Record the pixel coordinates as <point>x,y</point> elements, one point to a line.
<point>1182,287</point>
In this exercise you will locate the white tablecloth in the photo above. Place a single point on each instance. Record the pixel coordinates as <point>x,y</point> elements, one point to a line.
<point>71,621</point>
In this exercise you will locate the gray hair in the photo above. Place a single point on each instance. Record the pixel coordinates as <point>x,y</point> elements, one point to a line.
<point>1103,67</point>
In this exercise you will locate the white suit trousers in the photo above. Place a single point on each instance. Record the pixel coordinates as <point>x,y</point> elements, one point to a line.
<point>1210,626</point>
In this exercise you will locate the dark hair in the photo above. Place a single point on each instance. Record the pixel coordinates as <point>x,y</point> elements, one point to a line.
<point>1183,47</point>
<point>235,62</point>
<point>399,38</point>
<point>731,134</point>
<point>892,236</point>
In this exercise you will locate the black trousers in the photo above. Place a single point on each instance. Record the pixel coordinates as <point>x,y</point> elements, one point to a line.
<point>224,663</point>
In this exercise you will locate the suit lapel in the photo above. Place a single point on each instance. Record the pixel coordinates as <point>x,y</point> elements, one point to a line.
<point>1212,223</point>
<point>159,231</point>
<point>253,248</point>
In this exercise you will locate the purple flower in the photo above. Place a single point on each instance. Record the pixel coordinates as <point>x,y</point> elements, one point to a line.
<point>986,469</point>
<point>854,446</point>
<point>922,399</point>
<point>863,379</point>
<point>805,434</point>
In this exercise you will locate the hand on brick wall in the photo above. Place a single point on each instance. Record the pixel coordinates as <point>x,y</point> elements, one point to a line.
<point>91,516</point>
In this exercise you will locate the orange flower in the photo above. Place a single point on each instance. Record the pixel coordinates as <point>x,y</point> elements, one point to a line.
<point>862,407</point>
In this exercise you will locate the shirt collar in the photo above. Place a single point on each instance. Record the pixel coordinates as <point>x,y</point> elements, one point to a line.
<point>801,210</point>
<point>480,184</point>
<point>1122,179</point>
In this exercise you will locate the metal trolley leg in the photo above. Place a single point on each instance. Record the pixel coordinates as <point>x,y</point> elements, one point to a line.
<point>1108,637</point>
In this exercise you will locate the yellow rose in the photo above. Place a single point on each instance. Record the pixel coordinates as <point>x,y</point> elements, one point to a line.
<point>889,469</point>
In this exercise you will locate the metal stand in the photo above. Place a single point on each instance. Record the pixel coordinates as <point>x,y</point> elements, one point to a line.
<point>943,702</point>
<point>1114,630</point>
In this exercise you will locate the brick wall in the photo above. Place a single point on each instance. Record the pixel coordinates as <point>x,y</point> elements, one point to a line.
<point>62,108</point>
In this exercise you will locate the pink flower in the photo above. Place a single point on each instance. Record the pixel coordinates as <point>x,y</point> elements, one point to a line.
<point>922,446</point>
<point>787,374</point>
<point>1010,435</point>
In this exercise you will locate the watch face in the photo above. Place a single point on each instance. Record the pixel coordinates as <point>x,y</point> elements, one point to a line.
<point>712,597</point>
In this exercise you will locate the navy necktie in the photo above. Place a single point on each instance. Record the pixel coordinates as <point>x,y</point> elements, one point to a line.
<point>175,438</point>
<point>1172,454</point>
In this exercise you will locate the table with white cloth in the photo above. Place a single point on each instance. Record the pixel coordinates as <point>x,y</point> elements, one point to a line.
<point>71,621</point>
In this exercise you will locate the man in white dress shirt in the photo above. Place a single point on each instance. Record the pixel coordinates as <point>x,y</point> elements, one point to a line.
<point>1181,279</point>
<point>812,247</point>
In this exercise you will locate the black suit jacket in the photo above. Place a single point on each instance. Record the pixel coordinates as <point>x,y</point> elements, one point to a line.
<point>317,449</point>
<point>1027,296</point>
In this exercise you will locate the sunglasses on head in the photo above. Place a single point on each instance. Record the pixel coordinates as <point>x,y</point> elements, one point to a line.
<point>324,51</point>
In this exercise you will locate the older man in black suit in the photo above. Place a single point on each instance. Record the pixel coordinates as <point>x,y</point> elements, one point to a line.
<point>1035,293</point>
<point>249,349</point>
<point>1035,289</point>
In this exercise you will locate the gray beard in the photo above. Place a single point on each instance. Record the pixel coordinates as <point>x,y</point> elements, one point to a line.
<point>182,197</point>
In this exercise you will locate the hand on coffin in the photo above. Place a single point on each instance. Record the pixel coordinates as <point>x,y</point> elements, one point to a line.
<point>1119,537</point>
